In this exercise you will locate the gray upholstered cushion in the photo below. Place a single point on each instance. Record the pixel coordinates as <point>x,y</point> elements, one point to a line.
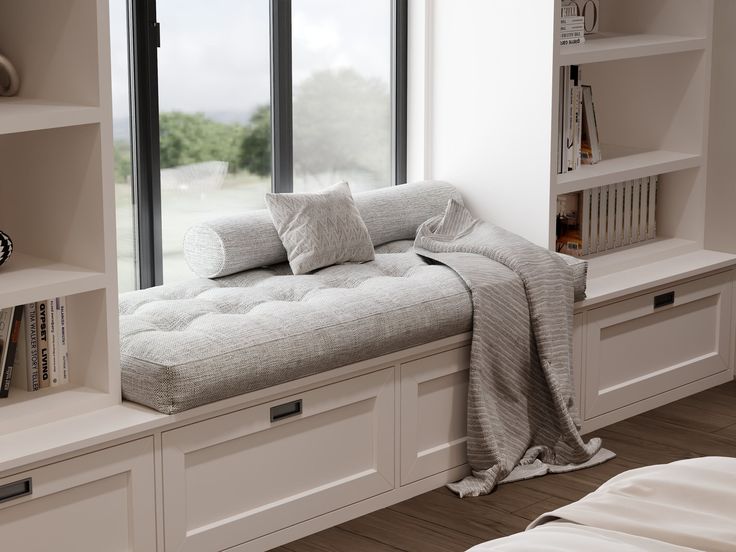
<point>227,245</point>
<point>320,229</point>
<point>188,344</point>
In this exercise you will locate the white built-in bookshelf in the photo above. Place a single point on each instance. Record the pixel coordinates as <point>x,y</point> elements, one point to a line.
<point>493,100</point>
<point>56,198</point>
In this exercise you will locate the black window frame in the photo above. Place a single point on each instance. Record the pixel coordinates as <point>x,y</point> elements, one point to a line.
<point>144,41</point>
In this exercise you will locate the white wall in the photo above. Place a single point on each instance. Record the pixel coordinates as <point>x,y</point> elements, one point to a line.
<point>720,223</point>
<point>481,57</point>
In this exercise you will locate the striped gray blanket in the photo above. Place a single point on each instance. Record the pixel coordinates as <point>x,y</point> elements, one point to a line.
<point>522,419</point>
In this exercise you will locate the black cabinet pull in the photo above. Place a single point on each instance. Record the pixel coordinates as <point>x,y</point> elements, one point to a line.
<point>286,410</point>
<point>664,299</point>
<point>17,489</point>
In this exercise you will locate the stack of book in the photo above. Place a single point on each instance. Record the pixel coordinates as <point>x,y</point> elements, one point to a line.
<point>577,132</point>
<point>607,217</point>
<point>37,347</point>
<point>572,25</point>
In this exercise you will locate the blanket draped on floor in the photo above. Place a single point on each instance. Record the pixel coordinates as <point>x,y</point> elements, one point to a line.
<point>522,420</point>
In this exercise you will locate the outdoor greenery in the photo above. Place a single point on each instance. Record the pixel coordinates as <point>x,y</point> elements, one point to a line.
<point>341,124</point>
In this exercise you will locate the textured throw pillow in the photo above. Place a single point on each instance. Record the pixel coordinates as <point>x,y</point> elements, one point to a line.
<point>320,229</point>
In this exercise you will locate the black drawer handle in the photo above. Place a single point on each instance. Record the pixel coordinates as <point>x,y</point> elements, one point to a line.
<point>286,410</point>
<point>17,489</point>
<point>664,299</point>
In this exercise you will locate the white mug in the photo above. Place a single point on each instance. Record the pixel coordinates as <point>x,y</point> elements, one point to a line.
<point>11,76</point>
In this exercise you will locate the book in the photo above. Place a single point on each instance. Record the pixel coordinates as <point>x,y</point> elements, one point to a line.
<point>652,218</point>
<point>571,34</point>
<point>6,323</point>
<point>611,217</point>
<point>568,9</point>
<point>594,207</point>
<point>572,41</point>
<point>635,199</point>
<point>53,342</point>
<point>628,191</point>
<point>585,222</point>
<point>591,144</point>
<point>9,350</point>
<point>44,359</point>
<point>62,357</point>
<point>643,209</point>
<point>561,168</point>
<point>619,239</point>
<point>602,216</point>
<point>31,347</point>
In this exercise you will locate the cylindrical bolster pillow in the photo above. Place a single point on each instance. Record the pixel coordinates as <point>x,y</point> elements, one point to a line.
<point>227,245</point>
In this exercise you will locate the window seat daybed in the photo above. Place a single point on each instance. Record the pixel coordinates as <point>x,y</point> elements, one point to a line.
<point>192,343</point>
<point>188,344</point>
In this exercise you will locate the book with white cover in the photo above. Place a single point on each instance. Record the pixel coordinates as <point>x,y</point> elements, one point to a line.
<point>53,319</point>
<point>62,346</point>
<point>644,209</point>
<point>594,207</point>
<point>628,191</point>
<point>619,224</point>
<point>635,200</point>
<point>602,216</point>
<point>611,217</point>
<point>652,218</point>
<point>585,223</point>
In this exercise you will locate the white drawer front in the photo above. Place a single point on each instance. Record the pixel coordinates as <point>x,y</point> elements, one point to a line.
<point>434,393</point>
<point>99,501</point>
<point>239,476</point>
<point>636,350</point>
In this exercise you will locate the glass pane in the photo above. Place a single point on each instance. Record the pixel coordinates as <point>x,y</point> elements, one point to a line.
<point>214,93</point>
<point>342,102</point>
<point>127,257</point>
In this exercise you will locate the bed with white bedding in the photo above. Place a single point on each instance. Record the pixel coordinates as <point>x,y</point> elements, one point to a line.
<point>683,506</point>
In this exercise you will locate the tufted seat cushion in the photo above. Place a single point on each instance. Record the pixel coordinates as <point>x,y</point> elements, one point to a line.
<point>197,342</point>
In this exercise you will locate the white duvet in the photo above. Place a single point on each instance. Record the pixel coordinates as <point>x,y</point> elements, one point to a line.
<point>683,506</point>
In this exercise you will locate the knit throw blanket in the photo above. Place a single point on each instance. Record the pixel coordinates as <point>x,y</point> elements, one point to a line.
<point>522,420</point>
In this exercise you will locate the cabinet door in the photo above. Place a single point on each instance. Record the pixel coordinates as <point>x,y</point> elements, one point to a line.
<point>102,501</point>
<point>654,343</point>
<point>237,477</point>
<point>434,396</point>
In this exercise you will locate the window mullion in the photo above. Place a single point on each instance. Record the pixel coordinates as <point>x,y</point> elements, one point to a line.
<point>399,48</point>
<point>144,39</point>
<point>282,144</point>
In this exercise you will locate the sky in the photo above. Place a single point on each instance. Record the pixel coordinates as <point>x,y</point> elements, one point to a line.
<point>214,54</point>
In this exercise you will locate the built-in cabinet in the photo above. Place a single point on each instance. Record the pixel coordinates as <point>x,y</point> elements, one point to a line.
<point>104,500</point>
<point>240,476</point>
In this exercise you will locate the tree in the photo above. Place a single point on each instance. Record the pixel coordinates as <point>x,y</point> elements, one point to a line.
<point>193,138</point>
<point>342,123</point>
<point>255,147</point>
<point>123,163</point>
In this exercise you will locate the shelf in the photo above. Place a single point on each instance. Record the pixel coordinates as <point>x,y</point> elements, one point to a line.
<point>25,409</point>
<point>95,427</point>
<point>609,47</point>
<point>625,164</point>
<point>25,279</point>
<point>23,115</point>
<point>646,266</point>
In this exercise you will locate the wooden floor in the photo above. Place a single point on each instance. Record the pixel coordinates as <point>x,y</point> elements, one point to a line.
<point>701,425</point>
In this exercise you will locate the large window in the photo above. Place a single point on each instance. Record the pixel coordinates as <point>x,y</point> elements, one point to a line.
<point>242,97</point>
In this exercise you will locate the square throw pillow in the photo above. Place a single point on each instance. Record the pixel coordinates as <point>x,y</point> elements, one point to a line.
<point>320,229</point>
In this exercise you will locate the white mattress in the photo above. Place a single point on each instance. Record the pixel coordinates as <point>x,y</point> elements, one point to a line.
<point>686,505</point>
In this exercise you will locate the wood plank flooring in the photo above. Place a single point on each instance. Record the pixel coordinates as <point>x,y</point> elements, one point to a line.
<point>701,425</point>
